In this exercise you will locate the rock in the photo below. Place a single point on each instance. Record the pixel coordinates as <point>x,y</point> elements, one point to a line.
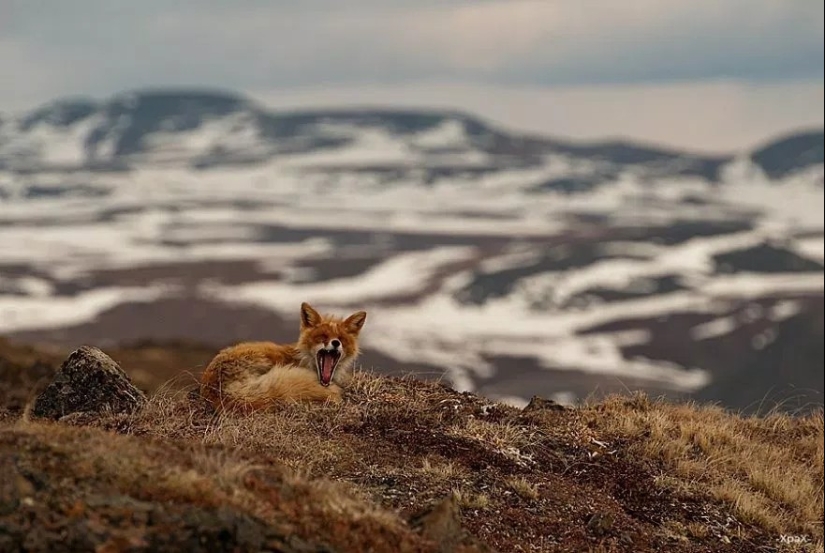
<point>89,382</point>
<point>626,539</point>
<point>14,487</point>
<point>442,524</point>
<point>538,403</point>
<point>600,524</point>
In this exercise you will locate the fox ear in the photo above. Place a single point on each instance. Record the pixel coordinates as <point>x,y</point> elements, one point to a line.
<point>309,317</point>
<point>354,322</point>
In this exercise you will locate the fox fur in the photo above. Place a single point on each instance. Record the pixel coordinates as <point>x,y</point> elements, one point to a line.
<point>251,376</point>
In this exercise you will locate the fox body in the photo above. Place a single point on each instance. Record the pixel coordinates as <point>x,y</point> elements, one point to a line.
<point>255,375</point>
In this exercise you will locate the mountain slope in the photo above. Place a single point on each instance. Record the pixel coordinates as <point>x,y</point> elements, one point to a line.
<point>505,263</point>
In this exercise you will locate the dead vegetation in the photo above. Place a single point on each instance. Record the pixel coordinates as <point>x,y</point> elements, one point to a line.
<point>768,469</point>
<point>624,474</point>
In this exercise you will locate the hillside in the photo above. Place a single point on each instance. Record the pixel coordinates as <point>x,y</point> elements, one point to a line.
<point>622,474</point>
<point>509,264</point>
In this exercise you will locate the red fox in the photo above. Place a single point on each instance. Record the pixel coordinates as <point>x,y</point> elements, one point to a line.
<point>255,375</point>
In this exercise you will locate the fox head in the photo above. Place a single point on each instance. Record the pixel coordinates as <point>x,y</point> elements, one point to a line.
<point>329,344</point>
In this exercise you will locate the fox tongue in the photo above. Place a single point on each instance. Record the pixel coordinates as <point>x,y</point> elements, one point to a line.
<point>327,364</point>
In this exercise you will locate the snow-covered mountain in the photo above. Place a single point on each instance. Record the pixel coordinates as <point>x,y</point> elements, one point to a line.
<point>517,264</point>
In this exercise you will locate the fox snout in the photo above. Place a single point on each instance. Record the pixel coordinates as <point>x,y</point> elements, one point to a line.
<point>333,346</point>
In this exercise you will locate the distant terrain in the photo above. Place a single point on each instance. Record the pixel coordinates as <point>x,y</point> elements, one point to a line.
<point>507,264</point>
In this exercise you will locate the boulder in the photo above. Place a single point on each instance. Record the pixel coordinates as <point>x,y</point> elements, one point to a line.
<point>88,382</point>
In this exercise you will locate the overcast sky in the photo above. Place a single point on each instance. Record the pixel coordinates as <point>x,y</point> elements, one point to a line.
<point>704,74</point>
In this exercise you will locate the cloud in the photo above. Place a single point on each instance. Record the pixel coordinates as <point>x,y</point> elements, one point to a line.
<point>254,43</point>
<point>703,73</point>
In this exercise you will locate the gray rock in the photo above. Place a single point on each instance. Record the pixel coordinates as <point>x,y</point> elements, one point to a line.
<point>89,382</point>
<point>538,403</point>
<point>600,524</point>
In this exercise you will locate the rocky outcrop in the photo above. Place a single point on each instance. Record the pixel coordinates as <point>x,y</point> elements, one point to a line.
<point>89,382</point>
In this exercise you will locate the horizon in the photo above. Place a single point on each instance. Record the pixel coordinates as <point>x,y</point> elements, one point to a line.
<point>296,102</point>
<point>699,75</point>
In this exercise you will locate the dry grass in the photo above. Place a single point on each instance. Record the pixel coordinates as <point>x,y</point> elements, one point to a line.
<point>501,436</point>
<point>140,469</point>
<point>770,470</point>
<point>675,477</point>
<point>298,435</point>
<point>523,487</point>
<point>470,500</point>
<point>212,478</point>
<point>441,469</point>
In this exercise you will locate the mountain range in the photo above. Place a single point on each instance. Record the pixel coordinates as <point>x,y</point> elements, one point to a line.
<point>508,263</point>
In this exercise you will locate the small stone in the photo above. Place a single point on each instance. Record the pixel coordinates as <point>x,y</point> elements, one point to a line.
<point>88,381</point>
<point>600,523</point>
<point>12,489</point>
<point>441,522</point>
<point>538,403</point>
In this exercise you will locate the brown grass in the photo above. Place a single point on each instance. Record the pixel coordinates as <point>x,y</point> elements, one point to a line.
<point>769,469</point>
<point>675,477</point>
<point>212,478</point>
<point>523,487</point>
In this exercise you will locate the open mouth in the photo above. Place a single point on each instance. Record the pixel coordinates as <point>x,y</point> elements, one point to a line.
<point>327,361</point>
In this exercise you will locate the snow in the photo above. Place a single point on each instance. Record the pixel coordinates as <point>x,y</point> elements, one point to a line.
<point>237,133</point>
<point>795,200</point>
<point>449,134</point>
<point>812,248</point>
<point>692,260</point>
<point>370,147</point>
<point>35,287</point>
<point>138,240</point>
<point>106,148</point>
<point>52,145</point>
<point>399,275</point>
<point>714,328</point>
<point>747,285</point>
<point>164,212</point>
<point>784,310</point>
<point>432,330</point>
<point>517,401</point>
<point>41,312</point>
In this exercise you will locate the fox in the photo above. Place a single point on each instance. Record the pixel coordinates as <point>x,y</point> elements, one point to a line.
<point>253,376</point>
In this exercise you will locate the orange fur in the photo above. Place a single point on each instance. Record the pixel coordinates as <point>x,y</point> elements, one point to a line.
<point>255,375</point>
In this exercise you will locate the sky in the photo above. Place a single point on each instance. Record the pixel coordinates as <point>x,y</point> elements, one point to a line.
<point>699,74</point>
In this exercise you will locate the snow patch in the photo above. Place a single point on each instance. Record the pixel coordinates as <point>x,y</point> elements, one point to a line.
<point>28,313</point>
<point>812,248</point>
<point>400,275</point>
<point>449,134</point>
<point>713,329</point>
<point>784,310</point>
